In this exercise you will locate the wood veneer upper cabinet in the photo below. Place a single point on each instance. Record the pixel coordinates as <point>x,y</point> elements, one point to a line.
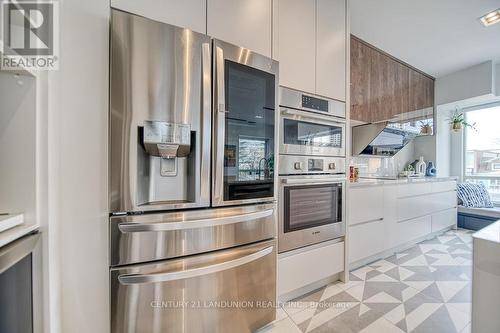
<point>360,81</point>
<point>383,88</point>
<point>241,22</point>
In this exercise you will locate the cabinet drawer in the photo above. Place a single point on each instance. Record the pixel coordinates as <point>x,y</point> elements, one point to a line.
<point>366,204</point>
<point>412,229</point>
<point>299,270</point>
<point>408,190</point>
<point>444,200</point>
<point>444,186</point>
<point>365,240</point>
<point>443,219</point>
<point>413,207</point>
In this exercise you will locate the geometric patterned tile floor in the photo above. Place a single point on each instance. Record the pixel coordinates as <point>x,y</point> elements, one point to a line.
<point>426,288</point>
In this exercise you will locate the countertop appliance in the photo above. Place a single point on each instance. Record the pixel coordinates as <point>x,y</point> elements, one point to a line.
<point>380,139</point>
<point>312,170</point>
<point>192,181</point>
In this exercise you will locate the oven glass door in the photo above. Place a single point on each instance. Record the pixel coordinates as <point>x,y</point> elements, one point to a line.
<point>309,206</point>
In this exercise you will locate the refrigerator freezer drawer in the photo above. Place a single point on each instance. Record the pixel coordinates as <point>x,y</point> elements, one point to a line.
<point>231,290</point>
<point>152,237</point>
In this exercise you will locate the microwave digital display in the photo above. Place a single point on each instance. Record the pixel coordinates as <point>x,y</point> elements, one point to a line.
<point>314,103</point>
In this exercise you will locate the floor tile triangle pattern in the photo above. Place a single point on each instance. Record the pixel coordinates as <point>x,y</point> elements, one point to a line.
<point>426,288</point>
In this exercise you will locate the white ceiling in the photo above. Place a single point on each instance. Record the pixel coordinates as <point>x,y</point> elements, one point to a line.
<point>435,36</point>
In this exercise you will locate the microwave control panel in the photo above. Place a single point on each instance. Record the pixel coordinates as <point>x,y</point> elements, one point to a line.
<point>314,103</point>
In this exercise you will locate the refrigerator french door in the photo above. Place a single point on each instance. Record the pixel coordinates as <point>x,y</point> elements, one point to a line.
<point>180,101</point>
<point>244,116</point>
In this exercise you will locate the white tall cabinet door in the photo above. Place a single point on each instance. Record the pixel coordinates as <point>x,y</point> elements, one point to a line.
<point>189,14</point>
<point>297,44</point>
<point>245,23</point>
<point>331,48</point>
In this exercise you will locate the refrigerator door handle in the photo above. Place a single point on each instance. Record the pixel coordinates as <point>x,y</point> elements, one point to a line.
<point>219,124</point>
<point>131,279</point>
<point>127,227</point>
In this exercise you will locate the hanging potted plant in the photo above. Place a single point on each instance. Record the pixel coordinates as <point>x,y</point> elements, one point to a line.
<point>426,127</point>
<point>457,121</point>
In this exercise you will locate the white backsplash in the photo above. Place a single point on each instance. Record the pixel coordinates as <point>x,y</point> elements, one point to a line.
<point>383,167</point>
<point>377,167</point>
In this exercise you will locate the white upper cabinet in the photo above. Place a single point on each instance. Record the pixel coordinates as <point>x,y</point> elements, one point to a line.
<point>310,45</point>
<point>189,14</point>
<point>331,48</point>
<point>297,43</point>
<point>245,23</point>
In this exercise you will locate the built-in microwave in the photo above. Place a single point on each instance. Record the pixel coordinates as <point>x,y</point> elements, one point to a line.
<point>311,125</point>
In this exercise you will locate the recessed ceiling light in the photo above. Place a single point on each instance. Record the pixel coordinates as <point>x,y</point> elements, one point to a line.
<point>491,18</point>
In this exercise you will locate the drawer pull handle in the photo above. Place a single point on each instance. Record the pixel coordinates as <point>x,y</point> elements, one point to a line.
<point>130,279</point>
<point>127,227</point>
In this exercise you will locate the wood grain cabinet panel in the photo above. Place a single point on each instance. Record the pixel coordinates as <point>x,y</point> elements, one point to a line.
<point>384,88</point>
<point>360,81</point>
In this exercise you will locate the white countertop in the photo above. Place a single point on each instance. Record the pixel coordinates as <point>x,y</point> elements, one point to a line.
<point>11,235</point>
<point>490,233</point>
<point>380,181</point>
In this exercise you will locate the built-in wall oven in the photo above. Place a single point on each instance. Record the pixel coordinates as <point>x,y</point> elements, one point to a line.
<point>312,206</point>
<point>312,170</point>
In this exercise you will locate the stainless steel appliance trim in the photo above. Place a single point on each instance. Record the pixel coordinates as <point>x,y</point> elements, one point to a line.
<point>293,98</point>
<point>11,254</point>
<point>312,181</point>
<point>223,51</point>
<point>314,117</point>
<point>219,126</point>
<point>128,279</point>
<point>192,224</point>
<point>206,125</point>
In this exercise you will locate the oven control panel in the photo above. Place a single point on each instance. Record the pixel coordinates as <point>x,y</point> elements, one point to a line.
<point>301,165</point>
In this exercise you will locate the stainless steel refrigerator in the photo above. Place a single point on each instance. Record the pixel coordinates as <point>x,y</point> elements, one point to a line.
<point>192,181</point>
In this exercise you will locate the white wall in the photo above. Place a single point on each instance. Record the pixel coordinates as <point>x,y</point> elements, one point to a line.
<point>17,145</point>
<point>77,170</point>
<point>468,83</point>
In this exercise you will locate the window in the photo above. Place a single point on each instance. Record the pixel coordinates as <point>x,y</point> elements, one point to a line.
<point>482,150</point>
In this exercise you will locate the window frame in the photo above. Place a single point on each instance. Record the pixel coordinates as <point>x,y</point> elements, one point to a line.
<point>464,175</point>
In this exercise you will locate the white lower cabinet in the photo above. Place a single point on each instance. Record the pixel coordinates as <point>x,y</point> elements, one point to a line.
<point>366,239</point>
<point>298,270</point>
<point>409,230</point>
<point>384,217</point>
<point>444,219</point>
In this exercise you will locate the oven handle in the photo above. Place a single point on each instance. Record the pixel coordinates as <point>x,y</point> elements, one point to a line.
<point>313,116</point>
<point>127,227</point>
<point>131,279</point>
<point>312,181</point>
